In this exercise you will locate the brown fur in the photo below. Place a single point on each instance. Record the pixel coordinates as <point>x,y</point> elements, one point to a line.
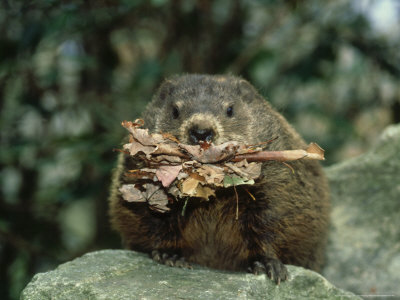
<point>288,220</point>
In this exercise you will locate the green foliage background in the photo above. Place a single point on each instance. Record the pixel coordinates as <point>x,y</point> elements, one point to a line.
<point>71,71</point>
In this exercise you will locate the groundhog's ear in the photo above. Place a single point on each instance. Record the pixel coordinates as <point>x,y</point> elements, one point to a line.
<point>166,89</point>
<point>246,91</point>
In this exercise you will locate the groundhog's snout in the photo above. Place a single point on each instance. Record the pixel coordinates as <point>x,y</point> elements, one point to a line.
<point>197,134</point>
<point>200,127</point>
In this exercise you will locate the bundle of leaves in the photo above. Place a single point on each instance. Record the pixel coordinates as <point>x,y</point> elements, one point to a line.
<point>174,170</point>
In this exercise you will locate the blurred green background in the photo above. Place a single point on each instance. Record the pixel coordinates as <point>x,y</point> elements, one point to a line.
<point>71,71</point>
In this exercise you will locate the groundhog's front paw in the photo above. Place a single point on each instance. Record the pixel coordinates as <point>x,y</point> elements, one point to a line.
<point>172,260</point>
<point>274,269</point>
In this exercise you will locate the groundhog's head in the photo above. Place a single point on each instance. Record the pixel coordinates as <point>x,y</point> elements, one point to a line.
<point>206,108</point>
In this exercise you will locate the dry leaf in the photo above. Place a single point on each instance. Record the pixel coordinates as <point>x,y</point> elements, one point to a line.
<point>145,173</point>
<point>204,192</point>
<point>166,159</point>
<point>135,148</point>
<point>315,152</point>
<point>189,186</point>
<point>167,174</point>
<point>212,154</point>
<point>245,169</point>
<point>213,175</point>
<point>170,137</point>
<point>192,187</point>
<point>153,194</point>
<point>169,149</point>
<point>131,194</point>
<point>157,198</point>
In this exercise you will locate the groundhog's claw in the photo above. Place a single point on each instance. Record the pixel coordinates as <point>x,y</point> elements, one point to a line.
<point>274,269</point>
<point>170,260</point>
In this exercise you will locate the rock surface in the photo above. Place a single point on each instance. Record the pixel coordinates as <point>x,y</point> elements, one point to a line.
<point>122,274</point>
<point>364,251</point>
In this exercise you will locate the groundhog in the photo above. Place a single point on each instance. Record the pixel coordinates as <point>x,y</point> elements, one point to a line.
<point>286,223</point>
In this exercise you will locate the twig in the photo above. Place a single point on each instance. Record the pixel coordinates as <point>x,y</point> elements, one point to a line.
<point>120,150</point>
<point>237,203</point>
<point>285,155</point>
<point>251,195</point>
<point>184,206</point>
<point>289,166</point>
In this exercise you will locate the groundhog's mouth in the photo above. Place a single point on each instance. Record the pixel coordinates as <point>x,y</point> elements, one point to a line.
<point>197,134</point>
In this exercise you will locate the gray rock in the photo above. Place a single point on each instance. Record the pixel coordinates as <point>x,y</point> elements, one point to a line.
<point>364,251</point>
<point>122,274</point>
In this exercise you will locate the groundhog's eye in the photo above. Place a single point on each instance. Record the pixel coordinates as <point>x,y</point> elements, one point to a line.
<point>229,111</point>
<point>175,112</point>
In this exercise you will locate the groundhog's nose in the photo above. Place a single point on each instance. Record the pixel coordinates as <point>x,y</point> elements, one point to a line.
<point>196,134</point>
